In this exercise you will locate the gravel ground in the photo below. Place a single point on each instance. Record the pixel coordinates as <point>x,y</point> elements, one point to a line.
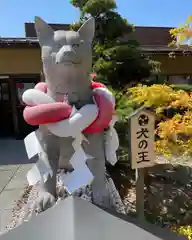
<point>168,194</point>
<point>25,208</point>
<point>166,199</point>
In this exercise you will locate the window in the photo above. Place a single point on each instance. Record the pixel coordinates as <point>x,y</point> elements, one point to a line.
<point>4,91</point>
<point>178,79</point>
<point>22,87</point>
<point>189,79</point>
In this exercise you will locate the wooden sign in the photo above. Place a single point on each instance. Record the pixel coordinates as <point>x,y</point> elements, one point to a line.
<point>142,139</point>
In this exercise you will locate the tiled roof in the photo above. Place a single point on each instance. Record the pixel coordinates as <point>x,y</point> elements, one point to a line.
<point>20,40</point>
<point>163,48</point>
<point>151,35</point>
<point>151,39</point>
<point>144,35</point>
<point>33,42</point>
<point>23,42</point>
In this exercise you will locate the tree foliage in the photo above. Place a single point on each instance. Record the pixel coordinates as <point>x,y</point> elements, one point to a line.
<point>183,34</point>
<point>184,230</point>
<point>115,62</point>
<point>173,109</point>
<point>171,104</point>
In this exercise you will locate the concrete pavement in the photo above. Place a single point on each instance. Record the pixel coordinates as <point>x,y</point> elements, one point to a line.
<point>14,165</point>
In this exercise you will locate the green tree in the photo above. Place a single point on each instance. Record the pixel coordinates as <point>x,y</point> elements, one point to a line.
<point>116,63</point>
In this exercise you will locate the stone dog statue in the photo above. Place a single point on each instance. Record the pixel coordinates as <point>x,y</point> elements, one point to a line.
<point>68,106</point>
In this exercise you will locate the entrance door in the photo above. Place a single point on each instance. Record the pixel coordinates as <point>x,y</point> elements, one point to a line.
<point>6,118</point>
<point>22,86</point>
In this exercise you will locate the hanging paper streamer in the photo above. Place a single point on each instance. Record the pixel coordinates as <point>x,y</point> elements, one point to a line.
<point>32,144</point>
<point>111,142</point>
<point>39,172</point>
<point>81,175</point>
<point>42,169</point>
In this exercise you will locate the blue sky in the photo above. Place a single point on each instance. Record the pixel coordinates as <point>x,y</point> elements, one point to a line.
<point>14,13</point>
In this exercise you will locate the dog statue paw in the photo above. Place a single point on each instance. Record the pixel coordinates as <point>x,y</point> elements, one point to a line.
<point>44,201</point>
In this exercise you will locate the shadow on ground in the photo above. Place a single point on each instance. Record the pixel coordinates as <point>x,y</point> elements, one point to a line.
<point>168,201</point>
<point>12,152</point>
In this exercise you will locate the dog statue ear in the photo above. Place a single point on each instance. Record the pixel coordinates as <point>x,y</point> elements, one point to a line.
<point>43,30</point>
<point>87,30</point>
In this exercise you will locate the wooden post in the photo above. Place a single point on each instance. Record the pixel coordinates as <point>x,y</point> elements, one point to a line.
<point>142,151</point>
<point>139,174</point>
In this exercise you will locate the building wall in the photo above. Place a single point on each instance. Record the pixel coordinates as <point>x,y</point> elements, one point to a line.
<point>28,61</point>
<point>20,61</point>
<point>180,65</point>
<point>23,66</point>
<point>176,70</point>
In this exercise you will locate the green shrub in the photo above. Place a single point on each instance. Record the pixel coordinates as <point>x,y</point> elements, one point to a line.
<point>185,87</point>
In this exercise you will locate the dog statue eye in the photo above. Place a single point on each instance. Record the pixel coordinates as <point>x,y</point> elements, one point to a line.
<point>75,46</point>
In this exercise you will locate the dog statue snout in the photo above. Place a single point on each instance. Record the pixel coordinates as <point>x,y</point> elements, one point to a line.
<point>65,54</point>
